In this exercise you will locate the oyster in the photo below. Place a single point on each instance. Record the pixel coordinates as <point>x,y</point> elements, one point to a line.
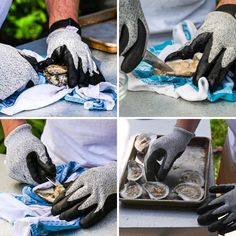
<point>181,67</point>
<point>189,191</point>
<point>131,190</point>
<point>56,74</point>
<point>190,176</point>
<point>156,190</point>
<point>141,144</point>
<point>135,171</point>
<point>50,194</point>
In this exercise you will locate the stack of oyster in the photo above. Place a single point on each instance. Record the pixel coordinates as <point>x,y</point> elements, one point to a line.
<point>190,183</point>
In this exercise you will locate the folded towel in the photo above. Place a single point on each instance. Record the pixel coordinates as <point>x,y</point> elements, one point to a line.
<point>30,214</point>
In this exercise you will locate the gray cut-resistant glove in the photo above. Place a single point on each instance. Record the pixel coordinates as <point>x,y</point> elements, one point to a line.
<point>16,70</point>
<point>66,47</point>
<point>220,214</point>
<point>216,39</point>
<point>27,158</point>
<point>91,196</point>
<point>133,34</point>
<point>166,149</point>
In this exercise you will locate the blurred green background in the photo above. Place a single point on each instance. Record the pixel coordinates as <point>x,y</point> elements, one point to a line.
<point>27,20</point>
<point>218,129</point>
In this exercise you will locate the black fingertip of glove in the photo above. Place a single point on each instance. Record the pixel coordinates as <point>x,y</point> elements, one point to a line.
<point>135,54</point>
<point>188,51</point>
<point>36,172</point>
<point>73,213</point>
<point>221,188</point>
<point>39,170</point>
<point>124,39</point>
<point>73,73</point>
<point>62,204</point>
<point>204,67</point>
<point>152,166</point>
<point>217,225</point>
<point>83,80</point>
<point>96,78</point>
<point>94,217</point>
<point>32,61</point>
<point>45,63</point>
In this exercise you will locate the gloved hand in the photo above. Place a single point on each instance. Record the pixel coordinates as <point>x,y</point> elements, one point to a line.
<point>17,70</point>
<point>166,149</point>
<point>91,196</point>
<point>220,213</point>
<point>133,34</point>
<point>216,39</point>
<point>66,47</point>
<point>26,158</point>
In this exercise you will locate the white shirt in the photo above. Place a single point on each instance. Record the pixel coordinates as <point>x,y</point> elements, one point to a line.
<point>232,138</point>
<point>89,142</point>
<point>4,9</point>
<point>163,15</point>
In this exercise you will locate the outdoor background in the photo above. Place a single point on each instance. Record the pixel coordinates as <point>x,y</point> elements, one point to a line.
<point>218,129</point>
<point>28,21</point>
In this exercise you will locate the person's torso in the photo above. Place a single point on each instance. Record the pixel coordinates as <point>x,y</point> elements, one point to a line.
<point>163,15</point>
<point>88,142</point>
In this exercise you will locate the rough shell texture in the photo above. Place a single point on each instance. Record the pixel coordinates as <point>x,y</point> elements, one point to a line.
<point>190,176</point>
<point>135,171</point>
<point>131,190</point>
<point>56,74</point>
<point>156,190</point>
<point>50,194</point>
<point>184,68</point>
<point>189,192</point>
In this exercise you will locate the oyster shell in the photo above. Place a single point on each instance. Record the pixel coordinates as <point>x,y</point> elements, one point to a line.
<point>135,171</point>
<point>189,191</point>
<point>56,74</point>
<point>131,190</point>
<point>190,176</point>
<point>141,144</point>
<point>156,190</point>
<point>50,194</point>
<point>181,67</point>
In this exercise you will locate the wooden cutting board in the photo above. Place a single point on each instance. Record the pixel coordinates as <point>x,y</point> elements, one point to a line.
<point>99,30</point>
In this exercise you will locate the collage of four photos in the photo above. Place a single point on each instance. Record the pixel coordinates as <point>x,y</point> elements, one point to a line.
<point>118,117</point>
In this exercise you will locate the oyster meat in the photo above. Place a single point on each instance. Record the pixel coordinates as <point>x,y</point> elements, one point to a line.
<point>156,190</point>
<point>56,74</point>
<point>131,190</point>
<point>189,191</point>
<point>190,176</point>
<point>135,171</point>
<point>50,194</point>
<point>184,68</point>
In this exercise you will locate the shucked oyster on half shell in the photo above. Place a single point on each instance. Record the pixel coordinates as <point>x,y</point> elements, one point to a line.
<point>131,190</point>
<point>189,191</point>
<point>156,190</point>
<point>56,74</point>
<point>135,171</point>
<point>190,176</point>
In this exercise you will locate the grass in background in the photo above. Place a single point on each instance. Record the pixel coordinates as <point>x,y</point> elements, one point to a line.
<point>37,129</point>
<point>218,132</point>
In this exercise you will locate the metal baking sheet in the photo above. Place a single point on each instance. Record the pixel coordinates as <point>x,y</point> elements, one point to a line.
<point>196,157</point>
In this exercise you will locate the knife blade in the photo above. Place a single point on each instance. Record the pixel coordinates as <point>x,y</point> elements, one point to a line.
<point>54,182</point>
<point>156,62</point>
